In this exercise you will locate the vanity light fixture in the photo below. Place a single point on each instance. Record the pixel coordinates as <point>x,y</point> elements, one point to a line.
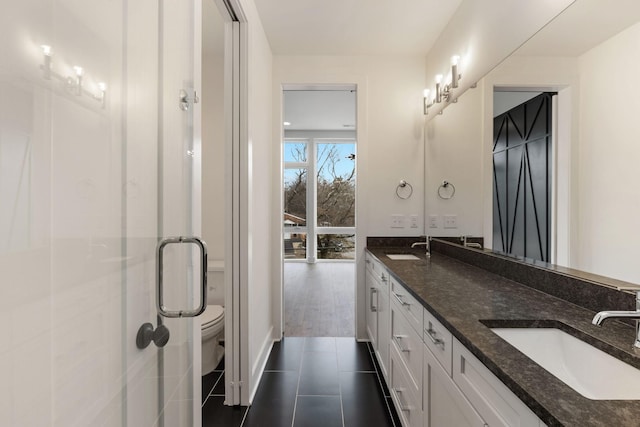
<point>426,104</point>
<point>438,97</point>
<point>102,95</point>
<point>455,76</point>
<point>46,64</point>
<point>76,83</point>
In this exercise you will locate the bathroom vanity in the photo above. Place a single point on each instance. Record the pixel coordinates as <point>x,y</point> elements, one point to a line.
<point>444,364</point>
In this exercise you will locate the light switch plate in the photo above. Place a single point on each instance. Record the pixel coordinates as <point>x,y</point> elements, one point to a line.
<point>433,221</point>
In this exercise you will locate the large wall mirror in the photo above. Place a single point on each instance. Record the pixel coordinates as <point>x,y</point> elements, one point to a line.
<point>588,60</point>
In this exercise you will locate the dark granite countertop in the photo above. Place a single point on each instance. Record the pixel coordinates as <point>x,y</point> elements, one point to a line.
<point>462,297</point>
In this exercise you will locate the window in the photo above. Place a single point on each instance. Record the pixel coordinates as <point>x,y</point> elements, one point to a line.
<point>321,188</point>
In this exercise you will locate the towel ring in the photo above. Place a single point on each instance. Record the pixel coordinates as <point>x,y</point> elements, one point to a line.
<point>444,186</point>
<point>401,185</point>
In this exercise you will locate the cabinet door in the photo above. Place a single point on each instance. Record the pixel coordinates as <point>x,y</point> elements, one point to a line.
<point>372,309</point>
<point>444,405</point>
<point>492,399</point>
<point>384,331</point>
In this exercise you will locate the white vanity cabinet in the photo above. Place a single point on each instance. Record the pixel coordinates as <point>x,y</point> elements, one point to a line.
<point>433,379</point>
<point>378,314</point>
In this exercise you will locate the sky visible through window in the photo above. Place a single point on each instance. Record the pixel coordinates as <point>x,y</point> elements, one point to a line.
<point>297,152</point>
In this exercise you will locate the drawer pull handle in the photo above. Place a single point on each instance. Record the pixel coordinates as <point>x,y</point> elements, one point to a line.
<point>398,338</point>
<point>403,406</point>
<point>400,300</point>
<point>372,307</point>
<point>433,336</point>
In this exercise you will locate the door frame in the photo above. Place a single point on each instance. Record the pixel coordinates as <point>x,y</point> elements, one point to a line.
<point>321,80</point>
<point>563,124</point>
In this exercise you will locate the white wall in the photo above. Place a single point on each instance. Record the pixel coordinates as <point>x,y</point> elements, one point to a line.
<point>609,196</point>
<point>257,320</point>
<point>390,142</point>
<point>453,153</point>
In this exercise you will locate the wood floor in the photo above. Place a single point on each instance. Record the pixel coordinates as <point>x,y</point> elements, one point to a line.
<point>319,299</point>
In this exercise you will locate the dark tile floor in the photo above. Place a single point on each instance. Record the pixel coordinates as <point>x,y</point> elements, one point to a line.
<point>308,382</point>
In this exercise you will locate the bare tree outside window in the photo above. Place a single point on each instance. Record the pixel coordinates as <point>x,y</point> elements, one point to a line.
<point>335,177</point>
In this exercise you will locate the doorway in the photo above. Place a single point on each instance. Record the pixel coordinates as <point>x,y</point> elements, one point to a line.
<point>522,174</point>
<point>319,230</point>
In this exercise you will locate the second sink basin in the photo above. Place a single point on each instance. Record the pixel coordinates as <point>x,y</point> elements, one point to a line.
<point>396,257</point>
<point>589,371</point>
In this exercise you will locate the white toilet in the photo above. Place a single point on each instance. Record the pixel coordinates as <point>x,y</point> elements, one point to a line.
<point>213,320</point>
<point>212,334</point>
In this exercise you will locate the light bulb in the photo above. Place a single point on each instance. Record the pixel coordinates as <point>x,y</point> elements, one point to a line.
<point>46,50</point>
<point>426,93</point>
<point>455,59</point>
<point>102,86</point>
<point>439,78</point>
<point>79,71</point>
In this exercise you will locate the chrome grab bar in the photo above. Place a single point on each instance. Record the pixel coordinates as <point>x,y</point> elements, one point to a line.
<point>371,306</point>
<point>403,406</point>
<point>402,349</point>
<point>431,333</point>
<point>399,298</point>
<point>162,309</point>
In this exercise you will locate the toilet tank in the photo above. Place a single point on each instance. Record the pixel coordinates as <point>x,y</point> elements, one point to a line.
<point>215,282</point>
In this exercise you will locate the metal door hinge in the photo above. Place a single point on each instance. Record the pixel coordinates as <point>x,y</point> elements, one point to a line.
<point>186,101</point>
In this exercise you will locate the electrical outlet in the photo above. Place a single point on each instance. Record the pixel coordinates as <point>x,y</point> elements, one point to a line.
<point>398,221</point>
<point>413,221</point>
<point>450,221</point>
<point>433,221</point>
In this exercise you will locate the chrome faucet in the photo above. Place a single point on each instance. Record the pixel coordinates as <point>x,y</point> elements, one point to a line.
<point>600,317</point>
<point>425,243</point>
<point>466,244</point>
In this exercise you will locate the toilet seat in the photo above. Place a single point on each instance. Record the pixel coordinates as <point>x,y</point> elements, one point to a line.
<point>213,315</point>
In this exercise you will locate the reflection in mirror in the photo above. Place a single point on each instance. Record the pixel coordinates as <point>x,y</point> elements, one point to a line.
<point>15,183</point>
<point>595,199</point>
<point>15,169</point>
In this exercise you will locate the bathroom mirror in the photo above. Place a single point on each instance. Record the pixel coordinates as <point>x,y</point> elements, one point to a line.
<point>589,56</point>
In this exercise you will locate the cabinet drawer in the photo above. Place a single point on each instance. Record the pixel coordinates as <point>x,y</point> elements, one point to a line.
<point>495,403</point>
<point>408,345</point>
<point>438,340</point>
<point>409,306</point>
<point>378,271</point>
<point>408,403</point>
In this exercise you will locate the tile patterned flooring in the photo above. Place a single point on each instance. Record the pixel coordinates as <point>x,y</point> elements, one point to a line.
<point>308,382</point>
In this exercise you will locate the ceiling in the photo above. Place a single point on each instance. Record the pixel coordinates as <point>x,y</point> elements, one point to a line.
<point>354,27</point>
<point>582,26</point>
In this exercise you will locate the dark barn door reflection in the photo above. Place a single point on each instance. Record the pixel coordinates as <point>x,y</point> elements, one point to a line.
<point>522,179</point>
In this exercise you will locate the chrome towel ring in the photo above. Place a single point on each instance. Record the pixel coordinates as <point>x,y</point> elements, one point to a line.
<point>401,192</point>
<point>446,190</point>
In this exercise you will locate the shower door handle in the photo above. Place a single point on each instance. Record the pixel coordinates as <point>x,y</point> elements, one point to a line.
<point>189,312</point>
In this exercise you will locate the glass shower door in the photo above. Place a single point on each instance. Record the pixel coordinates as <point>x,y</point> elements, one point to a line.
<point>97,164</point>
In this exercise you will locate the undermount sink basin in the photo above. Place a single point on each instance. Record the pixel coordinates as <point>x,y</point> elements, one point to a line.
<point>589,371</point>
<point>397,257</point>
